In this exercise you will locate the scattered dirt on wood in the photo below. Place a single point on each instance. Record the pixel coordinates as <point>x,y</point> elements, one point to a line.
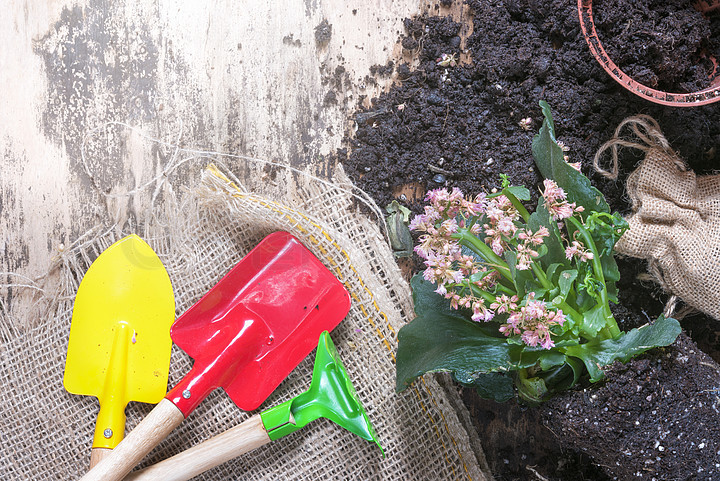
<point>323,33</point>
<point>460,126</point>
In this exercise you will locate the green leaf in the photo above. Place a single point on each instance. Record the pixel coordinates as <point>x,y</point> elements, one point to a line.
<point>551,358</point>
<point>520,192</point>
<point>606,230</point>
<point>440,339</point>
<point>563,377</point>
<point>593,320</point>
<point>550,160</point>
<point>551,271</point>
<point>596,354</point>
<point>532,390</point>
<point>494,385</point>
<point>555,250</point>
<point>440,342</point>
<point>565,281</point>
<point>425,299</point>
<point>612,276</point>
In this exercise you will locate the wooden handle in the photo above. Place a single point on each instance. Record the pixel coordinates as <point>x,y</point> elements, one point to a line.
<point>154,428</point>
<point>232,443</point>
<point>97,455</point>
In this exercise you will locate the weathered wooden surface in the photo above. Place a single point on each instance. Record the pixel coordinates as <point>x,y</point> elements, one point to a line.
<point>239,77</point>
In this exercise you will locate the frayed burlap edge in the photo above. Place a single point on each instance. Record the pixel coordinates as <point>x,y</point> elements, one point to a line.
<point>663,175</point>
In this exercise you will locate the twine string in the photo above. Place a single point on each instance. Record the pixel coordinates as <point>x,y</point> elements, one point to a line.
<point>197,155</point>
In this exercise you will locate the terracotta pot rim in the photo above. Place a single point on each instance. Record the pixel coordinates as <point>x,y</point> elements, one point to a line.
<point>701,97</point>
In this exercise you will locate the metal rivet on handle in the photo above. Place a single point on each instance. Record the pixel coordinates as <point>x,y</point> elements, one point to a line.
<point>186,394</point>
<point>108,433</point>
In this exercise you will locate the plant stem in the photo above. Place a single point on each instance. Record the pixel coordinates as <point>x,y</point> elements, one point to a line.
<point>540,274</point>
<point>484,294</point>
<point>466,238</point>
<point>611,330</point>
<point>505,290</point>
<point>517,204</point>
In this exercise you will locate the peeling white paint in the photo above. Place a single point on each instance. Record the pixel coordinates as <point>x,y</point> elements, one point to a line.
<point>241,77</point>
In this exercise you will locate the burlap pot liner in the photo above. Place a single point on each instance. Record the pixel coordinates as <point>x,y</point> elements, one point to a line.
<point>675,219</point>
<point>46,432</point>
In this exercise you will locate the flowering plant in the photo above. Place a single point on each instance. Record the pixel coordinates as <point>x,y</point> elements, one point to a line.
<point>509,298</point>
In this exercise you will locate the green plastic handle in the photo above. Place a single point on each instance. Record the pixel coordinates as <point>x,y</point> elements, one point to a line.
<point>331,396</point>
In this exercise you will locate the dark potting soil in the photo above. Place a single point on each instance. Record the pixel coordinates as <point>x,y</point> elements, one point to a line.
<point>662,44</point>
<point>460,126</point>
<point>653,416</point>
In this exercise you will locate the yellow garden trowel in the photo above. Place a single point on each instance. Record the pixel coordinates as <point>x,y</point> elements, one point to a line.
<point>119,347</point>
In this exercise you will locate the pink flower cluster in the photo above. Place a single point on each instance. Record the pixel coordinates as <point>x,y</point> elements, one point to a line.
<point>531,321</point>
<point>459,276</point>
<point>447,212</point>
<point>445,263</point>
<point>556,201</point>
<point>577,249</point>
<point>501,231</point>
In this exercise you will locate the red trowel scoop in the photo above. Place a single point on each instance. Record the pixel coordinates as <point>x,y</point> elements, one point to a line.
<point>245,335</point>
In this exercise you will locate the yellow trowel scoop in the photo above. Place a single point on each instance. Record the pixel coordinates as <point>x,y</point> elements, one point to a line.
<point>119,347</point>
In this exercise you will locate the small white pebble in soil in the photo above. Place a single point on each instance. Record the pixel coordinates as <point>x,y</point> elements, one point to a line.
<point>637,423</point>
<point>701,445</point>
<point>661,448</point>
<point>649,398</point>
<point>657,443</point>
<point>489,161</point>
<point>531,169</point>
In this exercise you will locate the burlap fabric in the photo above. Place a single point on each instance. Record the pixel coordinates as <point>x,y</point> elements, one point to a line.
<point>46,433</point>
<point>675,219</point>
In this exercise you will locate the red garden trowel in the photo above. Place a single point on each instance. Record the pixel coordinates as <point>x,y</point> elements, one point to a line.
<point>331,396</point>
<point>246,335</point>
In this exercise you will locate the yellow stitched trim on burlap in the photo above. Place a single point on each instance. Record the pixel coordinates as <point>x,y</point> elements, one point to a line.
<point>283,210</point>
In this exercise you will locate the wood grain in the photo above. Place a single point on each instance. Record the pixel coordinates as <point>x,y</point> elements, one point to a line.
<point>149,433</point>
<point>215,451</point>
<point>97,455</point>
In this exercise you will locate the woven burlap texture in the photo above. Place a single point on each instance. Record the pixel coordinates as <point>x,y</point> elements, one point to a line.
<point>675,219</point>
<point>46,432</point>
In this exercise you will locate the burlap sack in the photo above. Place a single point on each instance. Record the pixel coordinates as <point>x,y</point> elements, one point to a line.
<point>675,219</point>
<point>46,433</point>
